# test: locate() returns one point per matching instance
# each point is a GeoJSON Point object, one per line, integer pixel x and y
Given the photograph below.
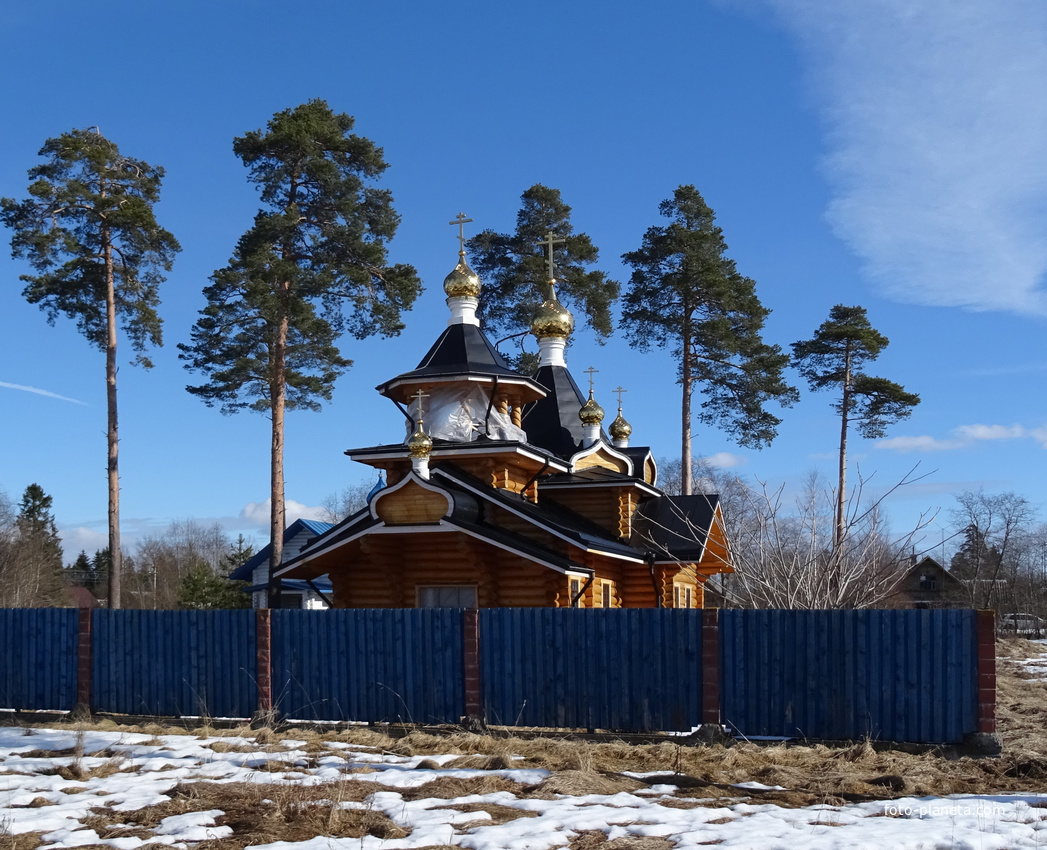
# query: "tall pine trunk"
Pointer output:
{"type": "Point", "coordinates": [841, 500]}
{"type": "Point", "coordinates": [277, 395]}
{"type": "Point", "coordinates": [687, 379]}
{"type": "Point", "coordinates": [112, 436]}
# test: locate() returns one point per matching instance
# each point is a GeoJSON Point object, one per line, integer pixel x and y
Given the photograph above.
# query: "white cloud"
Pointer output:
{"type": "Point", "coordinates": [964, 436]}
{"type": "Point", "coordinates": [46, 393]}
{"type": "Point", "coordinates": [87, 539]}
{"type": "Point", "coordinates": [258, 512]}
{"type": "Point", "coordinates": [937, 143]}
{"type": "Point", "coordinates": [725, 460]}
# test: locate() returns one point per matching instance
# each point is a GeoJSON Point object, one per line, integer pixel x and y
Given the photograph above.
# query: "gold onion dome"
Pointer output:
{"type": "Point", "coordinates": [420, 443]}
{"type": "Point", "coordinates": [463, 281]}
{"type": "Point", "coordinates": [591, 412]}
{"type": "Point", "coordinates": [620, 429]}
{"type": "Point", "coordinates": [552, 319]}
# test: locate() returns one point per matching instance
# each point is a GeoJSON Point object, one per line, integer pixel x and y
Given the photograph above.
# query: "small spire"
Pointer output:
{"type": "Point", "coordinates": [620, 430]}
{"type": "Point", "coordinates": [591, 413]}
{"type": "Point", "coordinates": [420, 444]}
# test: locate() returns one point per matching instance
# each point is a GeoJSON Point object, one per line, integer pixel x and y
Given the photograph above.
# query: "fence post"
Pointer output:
{"type": "Point", "coordinates": [471, 667]}
{"type": "Point", "coordinates": [711, 666]}
{"type": "Point", "coordinates": [986, 632]}
{"type": "Point", "coordinates": [83, 662]}
{"type": "Point", "coordinates": [264, 663]}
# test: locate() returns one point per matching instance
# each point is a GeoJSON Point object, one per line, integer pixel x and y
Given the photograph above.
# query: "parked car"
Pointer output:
{"type": "Point", "coordinates": [1024, 625]}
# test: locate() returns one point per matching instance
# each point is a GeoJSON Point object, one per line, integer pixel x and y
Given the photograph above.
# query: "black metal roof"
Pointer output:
{"type": "Point", "coordinates": [675, 527]}
{"type": "Point", "coordinates": [552, 422]}
{"type": "Point", "coordinates": [462, 349]}
{"type": "Point", "coordinates": [554, 517]}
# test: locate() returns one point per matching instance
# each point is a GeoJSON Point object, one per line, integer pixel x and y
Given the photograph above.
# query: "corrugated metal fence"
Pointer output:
{"type": "Point", "coordinates": [174, 663]}
{"type": "Point", "coordinates": [917, 676]}
{"type": "Point", "coordinates": [638, 669]}
{"type": "Point", "coordinates": [891, 675]}
{"type": "Point", "coordinates": [402, 665]}
{"type": "Point", "coordinates": [38, 659]}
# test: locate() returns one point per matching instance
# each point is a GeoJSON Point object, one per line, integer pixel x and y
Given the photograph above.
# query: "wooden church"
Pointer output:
{"type": "Point", "coordinates": [506, 491]}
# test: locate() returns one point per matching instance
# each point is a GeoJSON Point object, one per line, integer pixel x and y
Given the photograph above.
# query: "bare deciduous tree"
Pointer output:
{"type": "Point", "coordinates": [783, 549]}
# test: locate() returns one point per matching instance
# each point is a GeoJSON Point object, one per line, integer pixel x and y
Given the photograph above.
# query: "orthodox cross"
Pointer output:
{"type": "Point", "coordinates": [620, 390]}
{"type": "Point", "coordinates": [461, 222]}
{"type": "Point", "coordinates": [548, 242]}
{"type": "Point", "coordinates": [420, 395]}
{"type": "Point", "coordinates": [590, 372]}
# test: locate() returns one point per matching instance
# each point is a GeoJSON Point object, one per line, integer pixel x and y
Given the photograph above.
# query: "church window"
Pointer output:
{"type": "Point", "coordinates": [447, 596]}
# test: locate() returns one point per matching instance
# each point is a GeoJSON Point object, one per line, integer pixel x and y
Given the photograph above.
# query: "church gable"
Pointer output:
{"type": "Point", "coordinates": [411, 501]}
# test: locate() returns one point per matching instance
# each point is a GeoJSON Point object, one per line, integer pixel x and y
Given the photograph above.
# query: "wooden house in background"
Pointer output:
{"type": "Point", "coordinates": [927, 584]}
{"type": "Point", "coordinates": [505, 491]}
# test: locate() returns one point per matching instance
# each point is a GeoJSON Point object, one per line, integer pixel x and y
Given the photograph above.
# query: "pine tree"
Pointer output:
{"type": "Point", "coordinates": [833, 359]}
{"type": "Point", "coordinates": [203, 589]}
{"type": "Point", "coordinates": [513, 269]}
{"type": "Point", "coordinates": [34, 577]}
{"type": "Point", "coordinates": [267, 338]}
{"type": "Point", "coordinates": [687, 295]}
{"type": "Point", "coordinates": [88, 228]}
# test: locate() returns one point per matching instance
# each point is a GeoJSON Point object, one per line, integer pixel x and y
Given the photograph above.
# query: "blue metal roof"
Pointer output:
{"type": "Point", "coordinates": [245, 572]}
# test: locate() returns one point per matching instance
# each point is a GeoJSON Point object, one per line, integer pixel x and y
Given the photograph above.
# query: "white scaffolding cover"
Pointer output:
{"type": "Point", "coordinates": [459, 413]}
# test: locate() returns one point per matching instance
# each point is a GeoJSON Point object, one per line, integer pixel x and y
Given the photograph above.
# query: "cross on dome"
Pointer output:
{"type": "Point", "coordinates": [548, 242]}
{"type": "Point", "coordinates": [590, 372]}
{"type": "Point", "coordinates": [419, 396]}
{"type": "Point", "coordinates": [461, 221]}
{"type": "Point", "coordinates": [619, 391]}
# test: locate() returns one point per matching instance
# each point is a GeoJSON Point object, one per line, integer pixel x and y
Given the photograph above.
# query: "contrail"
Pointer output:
{"type": "Point", "coordinates": [41, 392]}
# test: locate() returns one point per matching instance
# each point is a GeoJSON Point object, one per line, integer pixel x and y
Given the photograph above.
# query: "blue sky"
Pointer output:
{"type": "Point", "coordinates": [873, 153]}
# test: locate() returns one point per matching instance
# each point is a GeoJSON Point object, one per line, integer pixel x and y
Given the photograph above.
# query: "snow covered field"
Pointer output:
{"type": "Point", "coordinates": [123, 790]}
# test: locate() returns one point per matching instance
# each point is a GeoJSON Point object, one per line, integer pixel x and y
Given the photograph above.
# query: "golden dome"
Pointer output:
{"type": "Point", "coordinates": [463, 281]}
{"type": "Point", "coordinates": [552, 319]}
{"type": "Point", "coordinates": [620, 429]}
{"type": "Point", "coordinates": [420, 443]}
{"type": "Point", "coordinates": [591, 413]}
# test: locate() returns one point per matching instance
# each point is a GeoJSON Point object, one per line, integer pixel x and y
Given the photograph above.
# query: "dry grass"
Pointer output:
{"type": "Point", "coordinates": [259, 814]}
{"type": "Point", "coordinates": [591, 839]}
{"type": "Point", "coordinates": [703, 776]}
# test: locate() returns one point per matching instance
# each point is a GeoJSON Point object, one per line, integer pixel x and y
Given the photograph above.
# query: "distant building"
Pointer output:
{"type": "Point", "coordinates": [927, 584]}
{"type": "Point", "coordinates": [294, 593]}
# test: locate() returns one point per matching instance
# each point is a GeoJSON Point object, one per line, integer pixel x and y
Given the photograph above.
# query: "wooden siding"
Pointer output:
{"type": "Point", "coordinates": [411, 504]}
{"type": "Point", "coordinates": [385, 571]}
{"type": "Point", "coordinates": [603, 459]}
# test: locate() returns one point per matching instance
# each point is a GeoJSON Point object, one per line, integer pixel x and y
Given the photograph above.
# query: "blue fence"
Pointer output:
{"type": "Point", "coordinates": [401, 665]}
{"type": "Point", "coordinates": [891, 675]}
{"type": "Point", "coordinates": [174, 663]}
{"type": "Point", "coordinates": [38, 660]}
{"type": "Point", "coordinates": [630, 669]}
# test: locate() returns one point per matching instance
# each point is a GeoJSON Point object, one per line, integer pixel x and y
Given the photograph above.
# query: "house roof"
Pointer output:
{"type": "Point", "coordinates": [675, 526]}
{"type": "Point", "coordinates": [245, 572]}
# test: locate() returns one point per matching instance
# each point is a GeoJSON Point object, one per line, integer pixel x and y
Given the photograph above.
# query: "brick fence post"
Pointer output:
{"type": "Point", "coordinates": [264, 661]}
{"type": "Point", "coordinates": [986, 639]}
{"type": "Point", "coordinates": [83, 662]}
{"type": "Point", "coordinates": [471, 667]}
{"type": "Point", "coordinates": [711, 666]}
